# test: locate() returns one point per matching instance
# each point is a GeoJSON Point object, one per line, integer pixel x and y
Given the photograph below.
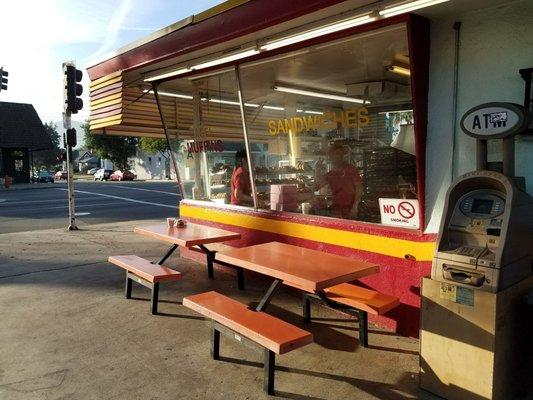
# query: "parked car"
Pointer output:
{"type": "Point", "coordinates": [102, 174]}
{"type": "Point", "coordinates": [42, 177]}
{"type": "Point", "coordinates": [92, 171]}
{"type": "Point", "coordinates": [60, 175]}
{"type": "Point", "coordinates": [122, 176]}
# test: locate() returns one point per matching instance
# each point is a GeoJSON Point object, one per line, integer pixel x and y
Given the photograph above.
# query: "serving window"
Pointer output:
{"type": "Point", "coordinates": [330, 129]}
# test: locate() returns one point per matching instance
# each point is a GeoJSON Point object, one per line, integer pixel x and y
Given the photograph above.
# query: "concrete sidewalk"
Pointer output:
{"type": "Point", "coordinates": [67, 331]}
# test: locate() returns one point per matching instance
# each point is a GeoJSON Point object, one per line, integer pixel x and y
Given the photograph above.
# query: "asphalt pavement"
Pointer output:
{"type": "Point", "coordinates": [45, 206]}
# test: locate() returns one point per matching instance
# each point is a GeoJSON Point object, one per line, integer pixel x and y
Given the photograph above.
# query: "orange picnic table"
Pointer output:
{"type": "Point", "coordinates": [191, 236]}
{"type": "Point", "coordinates": [305, 269]}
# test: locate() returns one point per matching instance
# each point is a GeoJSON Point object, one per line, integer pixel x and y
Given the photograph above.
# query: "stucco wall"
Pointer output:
{"type": "Point", "coordinates": [495, 43]}
{"type": "Point", "coordinates": [148, 166]}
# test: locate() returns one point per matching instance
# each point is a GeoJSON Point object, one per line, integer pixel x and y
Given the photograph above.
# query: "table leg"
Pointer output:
{"type": "Point", "coordinates": [210, 259]}
{"type": "Point", "coordinates": [168, 254]}
{"type": "Point", "coordinates": [265, 300]}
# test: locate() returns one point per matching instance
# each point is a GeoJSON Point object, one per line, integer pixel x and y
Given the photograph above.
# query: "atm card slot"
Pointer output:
{"type": "Point", "coordinates": [459, 275]}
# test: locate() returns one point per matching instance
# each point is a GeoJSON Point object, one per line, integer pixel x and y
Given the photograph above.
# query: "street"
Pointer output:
{"type": "Point", "coordinates": [46, 206]}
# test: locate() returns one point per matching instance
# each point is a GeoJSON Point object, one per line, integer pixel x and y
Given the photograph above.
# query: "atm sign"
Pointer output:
{"type": "Point", "coordinates": [495, 120]}
{"type": "Point", "coordinates": [399, 212]}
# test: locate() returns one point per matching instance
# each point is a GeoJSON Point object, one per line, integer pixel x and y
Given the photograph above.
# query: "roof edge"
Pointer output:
{"type": "Point", "coordinates": [193, 19]}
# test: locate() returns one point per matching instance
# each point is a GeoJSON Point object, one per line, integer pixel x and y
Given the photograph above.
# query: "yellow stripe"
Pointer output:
{"type": "Point", "coordinates": [104, 84]}
{"type": "Point", "coordinates": [104, 124]}
{"type": "Point", "coordinates": [104, 79]}
{"type": "Point", "coordinates": [104, 99]}
{"type": "Point", "coordinates": [211, 12]}
{"type": "Point", "coordinates": [105, 104]}
{"type": "Point", "coordinates": [422, 251]}
{"type": "Point", "coordinates": [106, 119]}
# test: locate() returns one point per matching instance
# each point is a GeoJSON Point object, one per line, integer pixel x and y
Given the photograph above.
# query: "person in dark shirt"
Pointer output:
{"type": "Point", "coordinates": [344, 181]}
{"type": "Point", "coordinates": [241, 189]}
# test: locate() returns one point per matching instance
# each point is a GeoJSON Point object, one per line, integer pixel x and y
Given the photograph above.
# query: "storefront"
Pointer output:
{"type": "Point", "coordinates": [322, 107]}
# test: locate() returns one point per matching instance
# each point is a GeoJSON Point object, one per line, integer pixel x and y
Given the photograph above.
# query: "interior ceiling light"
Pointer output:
{"type": "Point", "coordinates": [410, 6]}
{"type": "Point", "coordinates": [320, 31]}
{"type": "Point", "coordinates": [168, 74]}
{"type": "Point", "coordinates": [310, 112]}
{"type": "Point", "coordinates": [277, 108]}
{"type": "Point", "coordinates": [319, 94]}
{"type": "Point", "coordinates": [226, 59]}
{"type": "Point", "coordinates": [233, 103]}
{"type": "Point", "coordinates": [399, 70]}
{"type": "Point", "coordinates": [171, 94]}
{"type": "Point", "coordinates": [207, 64]}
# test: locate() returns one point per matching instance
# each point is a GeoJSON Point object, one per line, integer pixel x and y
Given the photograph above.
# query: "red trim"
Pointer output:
{"type": "Point", "coordinates": [247, 18]}
{"type": "Point", "coordinates": [418, 36]}
{"type": "Point", "coordinates": [326, 222]}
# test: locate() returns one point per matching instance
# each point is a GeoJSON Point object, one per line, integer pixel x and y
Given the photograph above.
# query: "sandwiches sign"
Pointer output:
{"type": "Point", "coordinates": [495, 120]}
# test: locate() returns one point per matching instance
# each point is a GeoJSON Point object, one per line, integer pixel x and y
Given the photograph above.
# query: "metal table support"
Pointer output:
{"type": "Point", "coordinates": [211, 259]}
{"type": "Point", "coordinates": [154, 287]}
{"type": "Point", "coordinates": [362, 316]}
{"type": "Point", "coordinates": [265, 300]}
{"type": "Point", "coordinates": [168, 254]}
{"type": "Point", "coordinates": [269, 357]}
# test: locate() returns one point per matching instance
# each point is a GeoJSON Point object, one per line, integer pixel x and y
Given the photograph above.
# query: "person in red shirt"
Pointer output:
{"type": "Point", "coordinates": [343, 180]}
{"type": "Point", "coordinates": [241, 189]}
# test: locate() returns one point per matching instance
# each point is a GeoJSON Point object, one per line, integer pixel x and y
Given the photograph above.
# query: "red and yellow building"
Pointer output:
{"type": "Point", "coordinates": [245, 72]}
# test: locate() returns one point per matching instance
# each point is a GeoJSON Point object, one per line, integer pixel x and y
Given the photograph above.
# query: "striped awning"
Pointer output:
{"type": "Point", "coordinates": [117, 109]}
{"type": "Point", "coordinates": [127, 111]}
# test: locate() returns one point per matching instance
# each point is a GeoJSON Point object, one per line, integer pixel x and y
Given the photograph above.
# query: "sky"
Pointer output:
{"type": "Point", "coordinates": [37, 36]}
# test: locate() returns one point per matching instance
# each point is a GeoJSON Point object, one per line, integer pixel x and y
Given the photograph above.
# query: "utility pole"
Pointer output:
{"type": "Point", "coordinates": [72, 104]}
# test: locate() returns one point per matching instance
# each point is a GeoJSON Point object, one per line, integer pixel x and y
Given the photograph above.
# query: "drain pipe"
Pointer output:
{"type": "Point", "coordinates": [457, 29]}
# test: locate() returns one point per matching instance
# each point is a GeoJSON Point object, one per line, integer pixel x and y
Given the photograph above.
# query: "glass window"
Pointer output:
{"type": "Point", "coordinates": [335, 126]}
{"type": "Point", "coordinates": [207, 138]}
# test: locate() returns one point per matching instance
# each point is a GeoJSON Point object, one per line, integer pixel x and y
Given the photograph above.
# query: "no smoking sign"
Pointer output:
{"type": "Point", "coordinates": [399, 212]}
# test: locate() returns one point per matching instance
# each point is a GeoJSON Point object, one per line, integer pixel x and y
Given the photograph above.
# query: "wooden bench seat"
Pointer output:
{"type": "Point", "coordinates": [351, 297]}
{"type": "Point", "coordinates": [215, 248]}
{"type": "Point", "coordinates": [270, 333]}
{"type": "Point", "coordinates": [147, 274]}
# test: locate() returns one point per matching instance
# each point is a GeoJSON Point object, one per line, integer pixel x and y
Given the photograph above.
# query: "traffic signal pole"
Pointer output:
{"type": "Point", "coordinates": [70, 185]}
{"type": "Point", "coordinates": [71, 104]}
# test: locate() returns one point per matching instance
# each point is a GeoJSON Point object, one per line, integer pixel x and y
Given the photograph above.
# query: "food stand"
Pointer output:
{"type": "Point", "coordinates": [287, 87]}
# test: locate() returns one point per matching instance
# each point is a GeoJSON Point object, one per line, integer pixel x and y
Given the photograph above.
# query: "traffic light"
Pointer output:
{"type": "Point", "coordinates": [71, 137]}
{"type": "Point", "coordinates": [71, 77]}
{"type": "Point", "coordinates": [3, 79]}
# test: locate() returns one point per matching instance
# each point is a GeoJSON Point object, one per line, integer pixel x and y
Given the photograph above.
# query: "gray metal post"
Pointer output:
{"type": "Point", "coordinates": [246, 142]}
{"type": "Point", "coordinates": [508, 156]}
{"type": "Point", "coordinates": [174, 163]}
{"type": "Point", "coordinates": [481, 154]}
{"type": "Point", "coordinates": [70, 186]}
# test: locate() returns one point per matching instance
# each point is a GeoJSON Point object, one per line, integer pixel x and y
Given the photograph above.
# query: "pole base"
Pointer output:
{"type": "Point", "coordinates": [72, 228]}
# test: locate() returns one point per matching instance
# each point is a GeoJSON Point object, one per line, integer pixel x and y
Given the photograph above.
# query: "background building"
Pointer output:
{"type": "Point", "coordinates": [21, 134]}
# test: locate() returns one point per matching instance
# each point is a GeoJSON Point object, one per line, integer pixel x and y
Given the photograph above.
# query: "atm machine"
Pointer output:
{"type": "Point", "coordinates": [476, 331]}
{"type": "Point", "coordinates": [485, 239]}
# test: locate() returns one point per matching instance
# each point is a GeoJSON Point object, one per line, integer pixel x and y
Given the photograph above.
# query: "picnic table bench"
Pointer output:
{"type": "Point", "coordinates": [348, 297]}
{"type": "Point", "coordinates": [146, 273]}
{"type": "Point", "coordinates": [262, 330]}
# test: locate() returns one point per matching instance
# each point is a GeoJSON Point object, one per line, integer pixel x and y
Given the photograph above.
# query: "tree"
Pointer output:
{"type": "Point", "coordinates": [117, 149]}
{"type": "Point", "coordinates": [151, 145]}
{"type": "Point", "coordinates": [48, 158]}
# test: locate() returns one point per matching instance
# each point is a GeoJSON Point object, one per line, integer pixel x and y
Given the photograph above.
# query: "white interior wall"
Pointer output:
{"type": "Point", "coordinates": [495, 43]}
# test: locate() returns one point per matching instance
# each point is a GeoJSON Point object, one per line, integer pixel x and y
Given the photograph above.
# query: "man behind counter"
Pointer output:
{"type": "Point", "coordinates": [343, 180]}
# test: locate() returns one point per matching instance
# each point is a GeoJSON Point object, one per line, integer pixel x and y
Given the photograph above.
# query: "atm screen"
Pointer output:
{"type": "Point", "coordinates": [481, 206]}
